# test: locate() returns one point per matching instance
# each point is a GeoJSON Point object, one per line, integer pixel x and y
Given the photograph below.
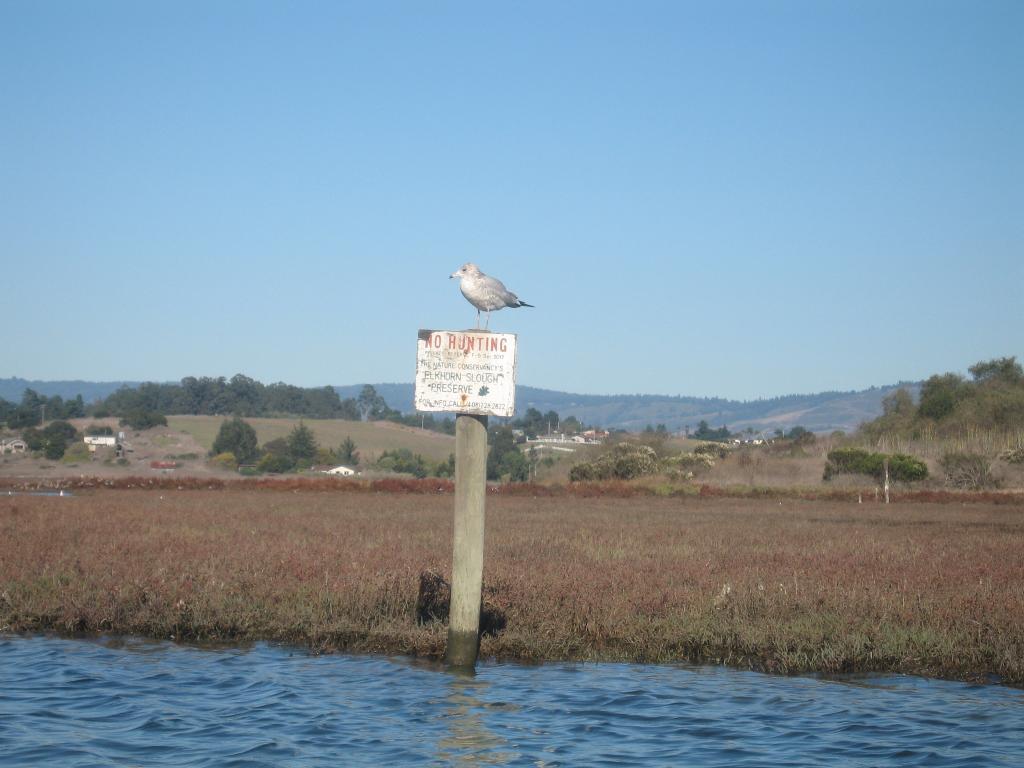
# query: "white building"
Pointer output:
{"type": "Point", "coordinates": [95, 441]}
{"type": "Point", "coordinates": [339, 470]}
{"type": "Point", "coordinates": [13, 445]}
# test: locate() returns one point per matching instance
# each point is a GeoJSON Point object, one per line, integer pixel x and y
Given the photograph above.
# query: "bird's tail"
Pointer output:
{"type": "Point", "coordinates": [522, 304]}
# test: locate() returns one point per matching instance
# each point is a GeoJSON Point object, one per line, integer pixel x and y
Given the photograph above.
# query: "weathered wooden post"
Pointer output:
{"type": "Point", "coordinates": [468, 547]}
{"type": "Point", "coordinates": [473, 374]}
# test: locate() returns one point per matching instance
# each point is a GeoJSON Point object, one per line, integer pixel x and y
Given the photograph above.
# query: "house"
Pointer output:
{"type": "Point", "coordinates": [95, 441]}
{"type": "Point", "coordinates": [13, 445]}
{"type": "Point", "coordinates": [339, 470]}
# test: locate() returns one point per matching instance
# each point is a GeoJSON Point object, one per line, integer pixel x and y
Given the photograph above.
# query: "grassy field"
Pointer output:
{"type": "Point", "coordinates": [774, 584]}
{"type": "Point", "coordinates": [371, 438]}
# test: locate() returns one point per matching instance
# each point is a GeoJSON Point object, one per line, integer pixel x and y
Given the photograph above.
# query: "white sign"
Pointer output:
{"type": "Point", "coordinates": [466, 372]}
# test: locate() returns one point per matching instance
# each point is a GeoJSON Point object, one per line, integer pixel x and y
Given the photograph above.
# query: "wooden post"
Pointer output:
{"type": "Point", "coordinates": [886, 465]}
{"type": "Point", "coordinates": [468, 555]}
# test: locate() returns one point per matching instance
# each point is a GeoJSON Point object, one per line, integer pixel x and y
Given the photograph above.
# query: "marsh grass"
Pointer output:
{"type": "Point", "coordinates": [783, 585]}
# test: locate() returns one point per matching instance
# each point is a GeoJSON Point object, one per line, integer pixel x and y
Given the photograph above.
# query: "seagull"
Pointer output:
{"type": "Point", "coordinates": [485, 293]}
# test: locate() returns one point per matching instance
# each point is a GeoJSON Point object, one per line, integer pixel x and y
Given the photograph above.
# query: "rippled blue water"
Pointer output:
{"type": "Point", "coordinates": [138, 703]}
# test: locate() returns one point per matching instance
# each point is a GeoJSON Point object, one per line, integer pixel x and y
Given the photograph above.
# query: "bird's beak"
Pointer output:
{"type": "Point", "coordinates": [453, 274]}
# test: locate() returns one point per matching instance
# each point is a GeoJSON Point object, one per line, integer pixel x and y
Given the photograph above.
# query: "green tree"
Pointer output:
{"type": "Point", "coordinates": [898, 405]}
{"type": "Point", "coordinates": [347, 453]}
{"type": "Point", "coordinates": [403, 460]}
{"type": "Point", "coordinates": [371, 405]}
{"type": "Point", "coordinates": [704, 432]}
{"type": "Point", "coordinates": [515, 466]}
{"type": "Point", "coordinates": [277, 447]}
{"type": "Point", "coordinates": [1003, 369]}
{"type": "Point", "coordinates": [349, 409]}
{"type": "Point", "coordinates": [239, 438]}
{"type": "Point", "coordinates": [52, 441]}
{"type": "Point", "coordinates": [74, 409]}
{"type": "Point", "coordinates": [244, 397]}
{"type": "Point", "coordinates": [940, 395]}
{"type": "Point", "coordinates": [532, 423]}
{"type": "Point", "coordinates": [29, 413]}
{"type": "Point", "coordinates": [504, 458]}
{"type": "Point", "coordinates": [302, 443]}
{"type": "Point", "coordinates": [275, 463]}
{"type": "Point", "coordinates": [446, 468]}
{"type": "Point", "coordinates": [6, 410]}
{"type": "Point", "coordinates": [799, 434]}
{"type": "Point", "coordinates": [551, 421]}
{"type": "Point", "coordinates": [142, 420]}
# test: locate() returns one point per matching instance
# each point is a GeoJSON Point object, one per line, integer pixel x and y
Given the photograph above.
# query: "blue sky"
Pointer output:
{"type": "Point", "coordinates": [737, 199]}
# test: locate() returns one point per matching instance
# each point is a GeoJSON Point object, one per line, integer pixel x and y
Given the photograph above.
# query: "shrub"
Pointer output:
{"type": "Point", "coordinates": [686, 465]}
{"type": "Point", "coordinates": [857, 461]}
{"type": "Point", "coordinates": [906, 468]}
{"type": "Point", "coordinates": [1013, 455]}
{"type": "Point", "coordinates": [142, 420]}
{"type": "Point", "coordinates": [623, 462]}
{"type": "Point", "coordinates": [96, 430]}
{"type": "Point", "coordinates": [970, 471]}
{"type": "Point", "coordinates": [76, 452]}
{"type": "Point", "coordinates": [34, 439]}
{"type": "Point", "coordinates": [225, 460]}
{"type": "Point", "coordinates": [271, 462]}
{"type": "Point", "coordinates": [54, 449]}
{"type": "Point", "coordinates": [52, 441]}
{"type": "Point", "coordinates": [405, 461]}
{"type": "Point", "coordinates": [60, 430]}
{"type": "Point", "coordinates": [721, 450]}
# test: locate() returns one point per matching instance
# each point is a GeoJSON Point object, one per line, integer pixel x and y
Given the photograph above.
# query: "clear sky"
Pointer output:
{"type": "Point", "coordinates": [736, 199]}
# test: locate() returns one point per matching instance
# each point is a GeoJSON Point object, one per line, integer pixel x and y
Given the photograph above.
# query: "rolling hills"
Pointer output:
{"type": "Point", "coordinates": [821, 412]}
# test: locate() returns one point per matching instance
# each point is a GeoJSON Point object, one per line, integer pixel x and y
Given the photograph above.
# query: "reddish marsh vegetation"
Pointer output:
{"type": "Point", "coordinates": [784, 585]}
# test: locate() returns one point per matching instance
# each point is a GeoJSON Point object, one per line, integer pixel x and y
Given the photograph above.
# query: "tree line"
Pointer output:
{"type": "Point", "coordinates": [949, 403]}
{"type": "Point", "coordinates": [34, 407]}
{"type": "Point", "coordinates": [240, 395]}
{"type": "Point", "coordinates": [237, 396]}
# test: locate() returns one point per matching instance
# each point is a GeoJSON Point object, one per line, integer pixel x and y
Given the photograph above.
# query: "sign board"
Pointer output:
{"type": "Point", "coordinates": [466, 372]}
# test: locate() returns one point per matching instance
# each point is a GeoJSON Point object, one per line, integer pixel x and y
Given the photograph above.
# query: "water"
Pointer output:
{"type": "Point", "coordinates": [137, 703]}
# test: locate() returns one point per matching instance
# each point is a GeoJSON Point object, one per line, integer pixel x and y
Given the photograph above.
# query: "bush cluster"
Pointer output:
{"type": "Point", "coordinates": [1013, 455]}
{"type": "Point", "coordinates": [623, 462]}
{"type": "Point", "coordinates": [970, 471]}
{"type": "Point", "coordinates": [225, 460]}
{"type": "Point", "coordinates": [404, 461]}
{"type": "Point", "coordinates": [856, 461]}
{"type": "Point", "coordinates": [142, 420]}
{"type": "Point", "coordinates": [721, 450]}
{"type": "Point", "coordinates": [686, 465]}
{"type": "Point", "coordinates": [52, 441]}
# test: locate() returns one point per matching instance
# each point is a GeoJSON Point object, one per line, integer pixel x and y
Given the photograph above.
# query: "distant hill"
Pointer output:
{"type": "Point", "coordinates": [823, 412]}
{"type": "Point", "coordinates": [13, 388]}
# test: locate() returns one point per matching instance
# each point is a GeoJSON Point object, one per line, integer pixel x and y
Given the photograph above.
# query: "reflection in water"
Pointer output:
{"type": "Point", "coordinates": [468, 740]}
